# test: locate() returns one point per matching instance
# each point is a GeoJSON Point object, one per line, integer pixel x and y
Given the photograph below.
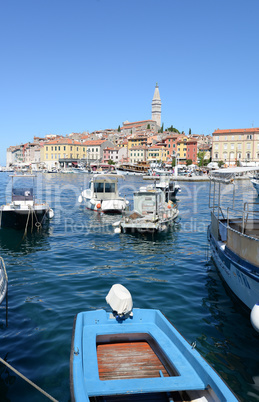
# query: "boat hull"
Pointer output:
{"type": "Point", "coordinates": [240, 276]}
{"type": "Point", "coordinates": [255, 183]}
{"type": "Point", "coordinates": [143, 354]}
{"type": "Point", "coordinates": [20, 219]}
{"type": "Point", "coordinates": [106, 206]}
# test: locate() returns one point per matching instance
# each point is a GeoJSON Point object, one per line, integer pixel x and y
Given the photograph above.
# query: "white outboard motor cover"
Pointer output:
{"type": "Point", "coordinates": [120, 300]}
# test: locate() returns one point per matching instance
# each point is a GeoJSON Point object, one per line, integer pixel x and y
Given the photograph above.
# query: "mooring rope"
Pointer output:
{"type": "Point", "coordinates": [27, 380]}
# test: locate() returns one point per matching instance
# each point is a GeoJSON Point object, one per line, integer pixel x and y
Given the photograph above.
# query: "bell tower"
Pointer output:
{"type": "Point", "coordinates": [156, 107]}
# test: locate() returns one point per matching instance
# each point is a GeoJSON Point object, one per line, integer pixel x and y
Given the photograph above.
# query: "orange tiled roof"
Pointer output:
{"type": "Point", "coordinates": [65, 141]}
{"type": "Point", "coordinates": [94, 142]}
{"type": "Point", "coordinates": [237, 130]}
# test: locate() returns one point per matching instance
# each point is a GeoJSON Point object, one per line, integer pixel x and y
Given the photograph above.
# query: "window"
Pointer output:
{"type": "Point", "coordinates": [233, 138]}
{"type": "Point", "coordinates": [225, 146]}
{"type": "Point", "coordinates": [216, 146]}
{"type": "Point", "coordinates": [51, 156]}
{"type": "Point", "coordinates": [99, 187]}
{"type": "Point", "coordinates": [59, 148]}
{"type": "Point", "coordinates": [225, 155]}
{"type": "Point", "coordinates": [55, 148]}
{"type": "Point", "coordinates": [239, 155]}
{"type": "Point", "coordinates": [240, 137]}
{"type": "Point", "coordinates": [47, 148]}
{"type": "Point", "coordinates": [51, 148]}
{"type": "Point", "coordinates": [71, 148]}
{"type": "Point", "coordinates": [226, 138]}
{"type": "Point", "coordinates": [216, 137]}
{"type": "Point", "coordinates": [96, 149]}
{"type": "Point", "coordinates": [64, 147]}
{"type": "Point", "coordinates": [232, 155]}
{"type": "Point", "coordinates": [249, 137]}
{"type": "Point", "coordinates": [232, 146]}
{"type": "Point", "coordinates": [248, 155]}
{"type": "Point", "coordinates": [239, 146]}
{"type": "Point", "coordinates": [248, 145]}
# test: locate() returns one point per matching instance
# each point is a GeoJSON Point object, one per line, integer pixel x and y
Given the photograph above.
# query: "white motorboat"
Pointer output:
{"type": "Point", "coordinates": [169, 187]}
{"type": "Point", "coordinates": [151, 212]}
{"type": "Point", "coordinates": [103, 195]}
{"type": "Point", "coordinates": [255, 182]}
{"type": "Point", "coordinates": [234, 242]}
{"type": "Point", "coordinates": [23, 211]}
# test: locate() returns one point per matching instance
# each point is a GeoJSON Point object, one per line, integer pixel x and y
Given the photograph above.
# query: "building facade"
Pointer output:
{"type": "Point", "coordinates": [236, 145]}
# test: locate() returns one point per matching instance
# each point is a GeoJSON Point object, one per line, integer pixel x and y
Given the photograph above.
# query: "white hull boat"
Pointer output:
{"type": "Point", "coordinates": [23, 211]}
{"type": "Point", "coordinates": [234, 241]}
{"type": "Point", "coordinates": [103, 195]}
{"type": "Point", "coordinates": [151, 213]}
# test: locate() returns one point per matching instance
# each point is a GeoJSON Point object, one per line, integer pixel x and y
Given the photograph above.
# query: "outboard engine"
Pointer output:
{"type": "Point", "coordinates": [120, 300]}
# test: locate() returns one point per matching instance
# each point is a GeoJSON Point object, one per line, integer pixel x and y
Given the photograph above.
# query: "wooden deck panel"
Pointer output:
{"type": "Point", "coordinates": [127, 360]}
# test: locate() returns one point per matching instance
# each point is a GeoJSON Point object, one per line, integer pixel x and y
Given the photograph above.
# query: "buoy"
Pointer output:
{"type": "Point", "coordinates": [80, 199]}
{"type": "Point", "coordinates": [98, 206]}
{"type": "Point", "coordinates": [117, 230]}
{"type": "Point", "coordinates": [254, 317]}
{"type": "Point", "coordinates": [169, 206]}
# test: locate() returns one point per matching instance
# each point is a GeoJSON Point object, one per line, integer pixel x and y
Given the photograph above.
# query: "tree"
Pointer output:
{"type": "Point", "coordinates": [148, 127]}
{"type": "Point", "coordinates": [188, 162]}
{"type": "Point", "coordinates": [119, 129]}
{"type": "Point", "coordinates": [172, 129]}
{"type": "Point", "coordinates": [220, 163]}
{"type": "Point", "coordinates": [110, 162]}
{"type": "Point", "coordinates": [173, 162]}
{"type": "Point", "coordinates": [190, 131]}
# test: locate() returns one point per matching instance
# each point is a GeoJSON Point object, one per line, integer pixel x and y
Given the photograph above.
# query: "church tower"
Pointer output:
{"type": "Point", "coordinates": [156, 107]}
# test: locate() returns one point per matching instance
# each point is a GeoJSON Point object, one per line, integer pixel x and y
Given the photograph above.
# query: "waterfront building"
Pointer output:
{"type": "Point", "coordinates": [139, 140]}
{"type": "Point", "coordinates": [236, 145]}
{"type": "Point", "coordinates": [115, 154]}
{"type": "Point", "coordinates": [171, 145]}
{"type": "Point", "coordinates": [138, 154]}
{"type": "Point", "coordinates": [191, 151]}
{"type": "Point", "coordinates": [14, 155]}
{"type": "Point", "coordinates": [157, 153]}
{"type": "Point", "coordinates": [94, 149]}
{"type": "Point", "coordinates": [156, 107]}
{"type": "Point", "coordinates": [62, 152]}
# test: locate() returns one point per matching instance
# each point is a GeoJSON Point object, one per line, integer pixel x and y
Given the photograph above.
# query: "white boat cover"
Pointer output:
{"type": "Point", "coordinates": [120, 300]}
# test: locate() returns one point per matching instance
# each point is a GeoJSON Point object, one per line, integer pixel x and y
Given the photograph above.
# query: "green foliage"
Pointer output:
{"type": "Point", "coordinates": [188, 162]}
{"type": "Point", "coordinates": [220, 163]}
{"type": "Point", "coordinates": [174, 162]}
{"type": "Point", "coordinates": [190, 131]}
{"type": "Point", "coordinates": [119, 129]}
{"type": "Point", "coordinates": [172, 129]}
{"type": "Point", "coordinates": [148, 127]}
{"type": "Point", "coordinates": [110, 162]}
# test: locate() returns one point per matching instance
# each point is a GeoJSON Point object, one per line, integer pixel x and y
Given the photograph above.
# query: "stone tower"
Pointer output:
{"type": "Point", "coordinates": [156, 107]}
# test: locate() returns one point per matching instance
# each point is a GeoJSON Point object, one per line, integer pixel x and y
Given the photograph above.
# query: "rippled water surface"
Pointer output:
{"type": "Point", "coordinates": [70, 266]}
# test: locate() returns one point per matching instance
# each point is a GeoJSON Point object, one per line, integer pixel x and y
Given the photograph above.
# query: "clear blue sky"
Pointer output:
{"type": "Point", "coordinates": [82, 65]}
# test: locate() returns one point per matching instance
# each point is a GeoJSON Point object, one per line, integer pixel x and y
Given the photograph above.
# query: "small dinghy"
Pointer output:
{"type": "Point", "coordinates": [137, 354]}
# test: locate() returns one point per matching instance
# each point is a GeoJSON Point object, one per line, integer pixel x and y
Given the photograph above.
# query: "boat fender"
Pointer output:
{"type": "Point", "coordinates": [117, 230]}
{"type": "Point", "coordinates": [254, 317]}
{"type": "Point", "coordinates": [80, 198]}
{"type": "Point", "coordinates": [51, 213]}
{"type": "Point", "coordinates": [169, 206]}
{"type": "Point", "coordinates": [98, 206]}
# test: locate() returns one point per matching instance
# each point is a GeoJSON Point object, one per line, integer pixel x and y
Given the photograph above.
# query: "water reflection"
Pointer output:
{"type": "Point", "coordinates": [13, 241]}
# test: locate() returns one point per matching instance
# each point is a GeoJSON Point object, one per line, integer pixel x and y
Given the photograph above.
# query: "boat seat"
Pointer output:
{"type": "Point", "coordinates": [186, 380]}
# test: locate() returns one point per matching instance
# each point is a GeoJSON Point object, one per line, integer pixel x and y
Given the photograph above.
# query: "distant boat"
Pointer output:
{"type": "Point", "coordinates": [255, 182]}
{"type": "Point", "coordinates": [137, 354]}
{"type": "Point", "coordinates": [234, 241]}
{"type": "Point", "coordinates": [133, 168]}
{"type": "Point", "coordinates": [23, 212]}
{"type": "Point", "coordinates": [103, 195]}
{"type": "Point", "coordinates": [151, 213]}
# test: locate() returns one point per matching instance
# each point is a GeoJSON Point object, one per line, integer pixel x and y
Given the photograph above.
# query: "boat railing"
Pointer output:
{"type": "Point", "coordinates": [243, 220]}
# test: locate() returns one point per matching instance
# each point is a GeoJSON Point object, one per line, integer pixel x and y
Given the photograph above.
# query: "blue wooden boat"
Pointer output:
{"type": "Point", "coordinates": [137, 354]}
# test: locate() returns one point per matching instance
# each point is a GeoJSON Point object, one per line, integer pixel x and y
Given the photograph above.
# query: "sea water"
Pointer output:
{"type": "Point", "coordinates": [70, 265]}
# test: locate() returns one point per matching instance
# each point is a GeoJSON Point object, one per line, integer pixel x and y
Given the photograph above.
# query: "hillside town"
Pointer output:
{"type": "Point", "coordinates": [137, 142]}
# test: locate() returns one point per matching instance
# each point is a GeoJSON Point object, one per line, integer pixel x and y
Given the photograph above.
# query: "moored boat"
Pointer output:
{"type": "Point", "coordinates": [137, 354]}
{"type": "Point", "coordinates": [151, 212]}
{"type": "Point", "coordinates": [23, 211]}
{"type": "Point", "coordinates": [234, 242]}
{"type": "Point", "coordinates": [255, 182]}
{"type": "Point", "coordinates": [103, 195]}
